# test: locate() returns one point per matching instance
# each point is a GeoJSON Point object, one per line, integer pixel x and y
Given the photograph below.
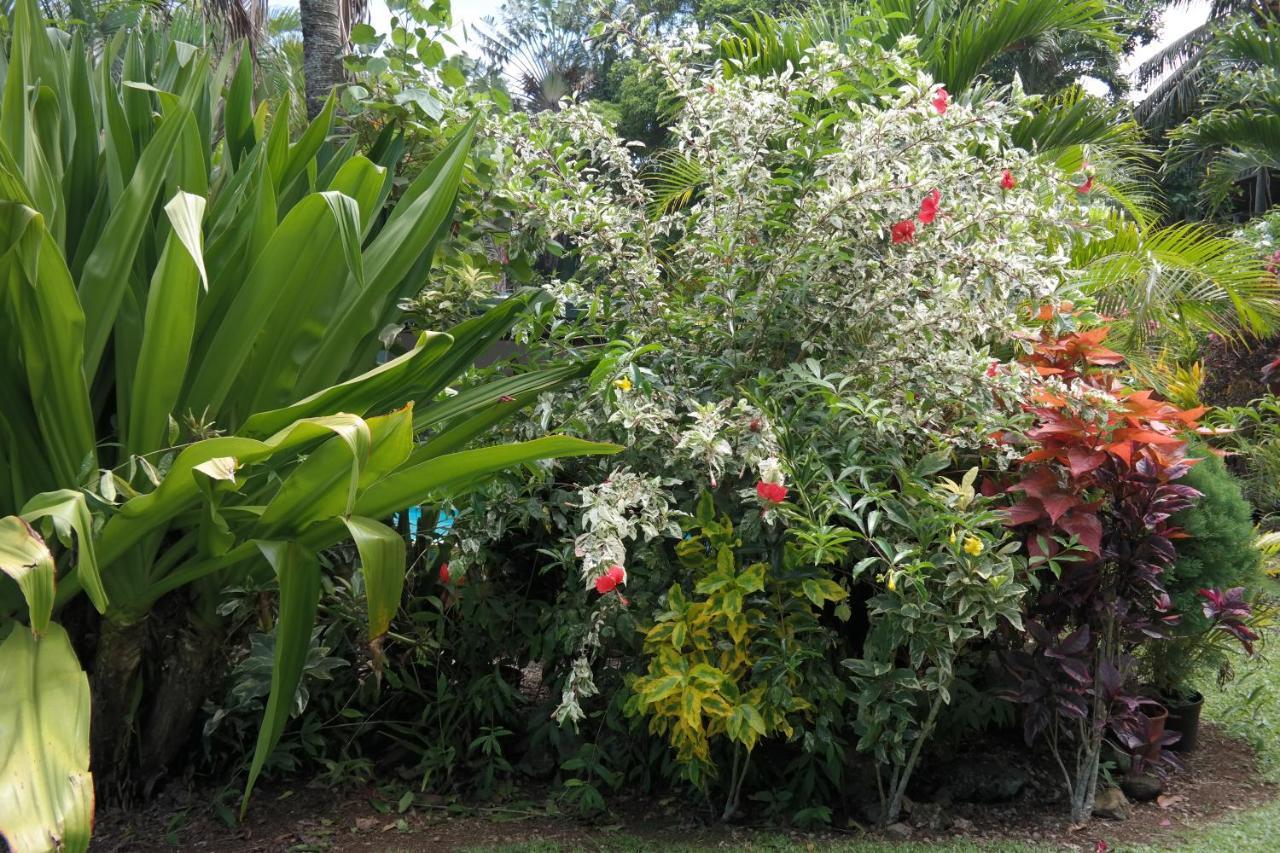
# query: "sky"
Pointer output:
{"type": "Point", "coordinates": [1178, 21]}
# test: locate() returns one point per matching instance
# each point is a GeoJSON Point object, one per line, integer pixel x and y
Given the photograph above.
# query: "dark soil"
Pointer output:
{"type": "Point", "coordinates": [1233, 372]}
{"type": "Point", "coordinates": [1219, 778]}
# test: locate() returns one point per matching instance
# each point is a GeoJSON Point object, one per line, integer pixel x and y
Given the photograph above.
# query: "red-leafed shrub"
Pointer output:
{"type": "Point", "coordinates": [1099, 485]}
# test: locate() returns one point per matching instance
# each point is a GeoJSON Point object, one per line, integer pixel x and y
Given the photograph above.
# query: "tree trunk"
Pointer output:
{"type": "Point", "coordinates": [116, 664]}
{"type": "Point", "coordinates": [323, 43]}
{"type": "Point", "coordinates": [191, 667]}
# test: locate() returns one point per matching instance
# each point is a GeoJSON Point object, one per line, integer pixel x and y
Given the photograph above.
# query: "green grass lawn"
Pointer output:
{"type": "Point", "coordinates": [1249, 708]}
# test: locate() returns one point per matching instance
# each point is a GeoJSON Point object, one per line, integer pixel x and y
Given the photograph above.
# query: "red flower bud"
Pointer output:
{"type": "Point", "coordinates": [1007, 180]}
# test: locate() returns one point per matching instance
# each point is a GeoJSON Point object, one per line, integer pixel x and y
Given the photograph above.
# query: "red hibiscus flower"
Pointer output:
{"type": "Point", "coordinates": [1086, 187]}
{"type": "Point", "coordinates": [444, 573]}
{"type": "Point", "coordinates": [904, 231]}
{"type": "Point", "coordinates": [929, 207]}
{"type": "Point", "coordinates": [773, 493]}
{"type": "Point", "coordinates": [609, 581]}
{"type": "Point", "coordinates": [993, 368]}
{"type": "Point", "coordinates": [1007, 180]}
{"type": "Point", "coordinates": [940, 101]}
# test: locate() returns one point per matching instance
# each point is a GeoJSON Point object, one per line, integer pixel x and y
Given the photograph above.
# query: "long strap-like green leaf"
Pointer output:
{"type": "Point", "coordinates": [388, 259]}
{"type": "Point", "coordinates": [168, 327]}
{"type": "Point", "coordinates": [106, 272]}
{"type": "Point", "coordinates": [299, 575]}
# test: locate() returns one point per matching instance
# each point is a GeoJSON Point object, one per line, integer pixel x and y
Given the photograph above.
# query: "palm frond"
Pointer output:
{"type": "Point", "coordinates": [674, 181]}
{"type": "Point", "coordinates": [968, 42]}
{"type": "Point", "coordinates": [237, 19]}
{"type": "Point", "coordinates": [1176, 53]}
{"type": "Point", "coordinates": [536, 50]}
{"type": "Point", "coordinates": [1179, 278]}
{"type": "Point", "coordinates": [282, 21]}
{"type": "Point", "coordinates": [1073, 117]}
{"type": "Point", "coordinates": [1240, 144]}
{"type": "Point", "coordinates": [1175, 98]}
{"type": "Point", "coordinates": [1248, 43]}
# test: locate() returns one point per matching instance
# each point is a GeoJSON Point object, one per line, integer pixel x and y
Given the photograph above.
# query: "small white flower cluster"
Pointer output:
{"type": "Point", "coordinates": [1263, 234]}
{"type": "Point", "coordinates": [623, 507]}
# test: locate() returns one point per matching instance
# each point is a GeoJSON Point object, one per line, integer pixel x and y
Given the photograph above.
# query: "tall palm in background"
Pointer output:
{"type": "Point", "coordinates": [1238, 138]}
{"type": "Point", "coordinates": [326, 26]}
{"type": "Point", "coordinates": [541, 49]}
{"type": "Point", "coordinates": [1186, 65]}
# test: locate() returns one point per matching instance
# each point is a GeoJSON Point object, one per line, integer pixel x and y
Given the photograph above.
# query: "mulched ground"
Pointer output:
{"type": "Point", "coordinates": [1220, 778]}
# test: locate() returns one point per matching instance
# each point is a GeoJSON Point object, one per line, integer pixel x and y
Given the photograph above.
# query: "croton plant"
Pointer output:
{"type": "Point", "coordinates": [1099, 484]}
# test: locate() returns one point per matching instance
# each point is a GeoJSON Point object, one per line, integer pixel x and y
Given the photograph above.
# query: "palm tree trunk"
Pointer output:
{"type": "Point", "coordinates": [322, 48]}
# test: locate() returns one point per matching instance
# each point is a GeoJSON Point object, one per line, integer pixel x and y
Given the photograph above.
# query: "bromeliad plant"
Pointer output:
{"type": "Point", "coordinates": [1098, 489]}
{"type": "Point", "coordinates": [192, 303]}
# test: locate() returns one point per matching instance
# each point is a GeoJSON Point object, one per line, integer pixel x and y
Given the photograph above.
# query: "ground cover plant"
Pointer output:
{"type": "Point", "coordinates": [438, 439]}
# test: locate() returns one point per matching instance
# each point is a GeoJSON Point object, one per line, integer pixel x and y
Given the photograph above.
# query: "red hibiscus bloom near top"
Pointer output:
{"type": "Point", "coordinates": [1007, 180]}
{"type": "Point", "coordinates": [929, 207]}
{"type": "Point", "coordinates": [609, 581]}
{"type": "Point", "coordinates": [941, 100]}
{"type": "Point", "coordinates": [904, 231]}
{"type": "Point", "coordinates": [773, 493]}
{"type": "Point", "coordinates": [444, 573]}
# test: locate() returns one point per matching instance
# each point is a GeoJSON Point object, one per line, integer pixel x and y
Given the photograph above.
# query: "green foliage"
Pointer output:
{"type": "Point", "coordinates": [957, 39]}
{"type": "Point", "coordinates": [737, 660]}
{"type": "Point", "coordinates": [170, 257]}
{"type": "Point", "coordinates": [1235, 134]}
{"type": "Point", "coordinates": [1219, 550]}
{"type": "Point", "coordinates": [930, 551]}
{"type": "Point", "coordinates": [1218, 553]}
{"type": "Point", "coordinates": [1251, 434]}
{"type": "Point", "coordinates": [1178, 282]}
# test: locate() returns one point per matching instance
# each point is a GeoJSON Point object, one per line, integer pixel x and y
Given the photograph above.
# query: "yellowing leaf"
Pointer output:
{"type": "Point", "coordinates": [46, 790]}
{"type": "Point", "coordinates": [25, 558]}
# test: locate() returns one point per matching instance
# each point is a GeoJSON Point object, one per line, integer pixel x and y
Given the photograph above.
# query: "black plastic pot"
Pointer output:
{"type": "Point", "coordinates": [1184, 718]}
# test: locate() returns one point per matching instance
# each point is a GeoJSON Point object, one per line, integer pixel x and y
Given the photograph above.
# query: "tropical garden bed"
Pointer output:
{"type": "Point", "coordinates": [1221, 781]}
{"type": "Point", "coordinates": [676, 423]}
